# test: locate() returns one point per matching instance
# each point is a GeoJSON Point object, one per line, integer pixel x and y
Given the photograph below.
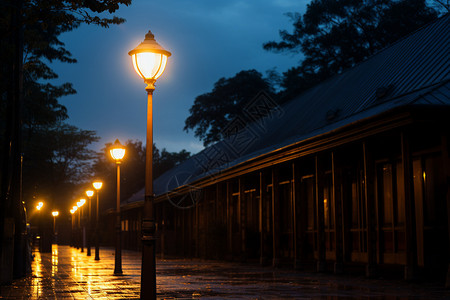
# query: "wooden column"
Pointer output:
{"type": "Point", "coordinates": [163, 230]}
{"type": "Point", "coordinates": [229, 220]}
{"type": "Point", "coordinates": [295, 198]}
{"type": "Point", "coordinates": [197, 230]}
{"type": "Point", "coordinates": [183, 233]}
{"type": "Point", "coordinates": [275, 217]}
{"type": "Point", "coordinates": [320, 223]}
{"type": "Point", "coordinates": [369, 195]}
{"type": "Point", "coordinates": [336, 177]}
{"type": "Point", "coordinates": [218, 219]}
{"type": "Point", "coordinates": [262, 196]}
{"type": "Point", "coordinates": [242, 219]}
{"type": "Point", "coordinates": [446, 166]}
{"type": "Point", "coordinates": [410, 224]}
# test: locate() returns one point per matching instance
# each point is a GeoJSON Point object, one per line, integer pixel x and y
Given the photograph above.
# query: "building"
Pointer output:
{"type": "Point", "coordinates": [353, 172]}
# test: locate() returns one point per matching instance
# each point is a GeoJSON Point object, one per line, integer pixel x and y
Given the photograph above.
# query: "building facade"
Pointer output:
{"type": "Point", "coordinates": [353, 172]}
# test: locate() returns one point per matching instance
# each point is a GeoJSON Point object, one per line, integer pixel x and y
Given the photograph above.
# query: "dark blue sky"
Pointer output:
{"type": "Point", "coordinates": [208, 40]}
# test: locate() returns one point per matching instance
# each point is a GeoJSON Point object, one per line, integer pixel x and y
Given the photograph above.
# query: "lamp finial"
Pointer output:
{"type": "Point", "coordinates": [149, 36]}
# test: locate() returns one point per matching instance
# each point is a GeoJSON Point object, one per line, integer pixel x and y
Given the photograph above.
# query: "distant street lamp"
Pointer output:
{"type": "Point", "coordinates": [149, 60]}
{"type": "Point", "coordinates": [55, 234]}
{"type": "Point", "coordinates": [97, 186]}
{"type": "Point", "coordinates": [72, 211]}
{"type": "Point", "coordinates": [89, 193]}
{"type": "Point", "coordinates": [40, 231]}
{"type": "Point", "coordinates": [117, 152]}
{"type": "Point", "coordinates": [81, 222]}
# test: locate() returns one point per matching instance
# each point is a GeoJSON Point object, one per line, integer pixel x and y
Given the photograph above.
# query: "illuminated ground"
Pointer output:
{"type": "Point", "coordinates": [66, 273]}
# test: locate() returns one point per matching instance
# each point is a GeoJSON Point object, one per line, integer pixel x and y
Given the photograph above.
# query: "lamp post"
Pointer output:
{"type": "Point", "coordinates": [80, 222]}
{"type": "Point", "coordinates": [72, 211]}
{"type": "Point", "coordinates": [117, 152]}
{"type": "Point", "coordinates": [40, 231]}
{"type": "Point", "coordinates": [149, 60]}
{"type": "Point", "coordinates": [55, 213]}
{"type": "Point", "coordinates": [89, 193]}
{"type": "Point", "coordinates": [97, 186]}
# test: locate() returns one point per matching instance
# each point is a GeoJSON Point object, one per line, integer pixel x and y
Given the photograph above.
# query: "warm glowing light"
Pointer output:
{"type": "Point", "coordinates": [39, 206]}
{"type": "Point", "coordinates": [81, 202]}
{"type": "Point", "coordinates": [117, 151]}
{"type": "Point", "coordinates": [149, 65]}
{"type": "Point", "coordinates": [89, 193]}
{"type": "Point", "coordinates": [55, 213]}
{"type": "Point", "coordinates": [149, 59]}
{"type": "Point", "coordinates": [74, 209]}
{"type": "Point", "coordinates": [97, 184]}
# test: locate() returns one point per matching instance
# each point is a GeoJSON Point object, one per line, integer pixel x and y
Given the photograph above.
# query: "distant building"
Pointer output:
{"type": "Point", "coordinates": [355, 171]}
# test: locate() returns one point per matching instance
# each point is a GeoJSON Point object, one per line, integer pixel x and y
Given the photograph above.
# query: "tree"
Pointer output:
{"type": "Point", "coordinates": [56, 159]}
{"type": "Point", "coordinates": [132, 169]}
{"type": "Point", "coordinates": [334, 35]}
{"type": "Point", "coordinates": [165, 160]}
{"type": "Point", "coordinates": [29, 35]}
{"type": "Point", "coordinates": [212, 111]}
{"type": "Point", "coordinates": [38, 28]}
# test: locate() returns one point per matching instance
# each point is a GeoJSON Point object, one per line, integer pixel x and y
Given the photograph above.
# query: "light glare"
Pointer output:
{"type": "Point", "coordinates": [97, 185]}
{"type": "Point", "coordinates": [149, 65]}
{"type": "Point", "coordinates": [117, 153]}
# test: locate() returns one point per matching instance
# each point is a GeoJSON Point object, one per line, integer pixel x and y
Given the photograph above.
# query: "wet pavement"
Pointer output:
{"type": "Point", "coordinates": [66, 273]}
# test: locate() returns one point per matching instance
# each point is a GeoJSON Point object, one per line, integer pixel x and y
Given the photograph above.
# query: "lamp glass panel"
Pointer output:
{"type": "Point", "coordinates": [149, 65]}
{"type": "Point", "coordinates": [163, 66]}
{"type": "Point", "coordinates": [117, 153]}
{"type": "Point", "coordinates": [97, 185]}
{"type": "Point", "coordinates": [133, 58]}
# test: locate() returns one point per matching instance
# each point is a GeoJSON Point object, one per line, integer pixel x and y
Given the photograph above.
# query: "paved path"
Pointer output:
{"type": "Point", "coordinates": [66, 273]}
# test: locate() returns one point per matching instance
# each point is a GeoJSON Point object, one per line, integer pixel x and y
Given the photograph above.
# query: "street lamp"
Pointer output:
{"type": "Point", "coordinates": [40, 230]}
{"type": "Point", "coordinates": [55, 213]}
{"type": "Point", "coordinates": [81, 222]}
{"type": "Point", "coordinates": [89, 193]}
{"type": "Point", "coordinates": [97, 186]}
{"type": "Point", "coordinates": [117, 152]}
{"type": "Point", "coordinates": [149, 60]}
{"type": "Point", "coordinates": [72, 211]}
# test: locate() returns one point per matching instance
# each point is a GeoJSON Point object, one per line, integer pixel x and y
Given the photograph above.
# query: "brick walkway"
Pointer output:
{"type": "Point", "coordinates": [66, 273]}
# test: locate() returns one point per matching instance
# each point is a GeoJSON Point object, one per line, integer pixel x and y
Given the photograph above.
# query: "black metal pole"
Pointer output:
{"type": "Point", "coordinates": [77, 229]}
{"type": "Point", "coordinates": [89, 229]}
{"type": "Point", "coordinates": [118, 256]}
{"type": "Point", "coordinates": [82, 229]}
{"type": "Point", "coordinates": [148, 271]}
{"type": "Point", "coordinates": [97, 247]}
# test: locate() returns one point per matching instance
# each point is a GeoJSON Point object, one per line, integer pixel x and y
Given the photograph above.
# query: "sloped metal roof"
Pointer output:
{"type": "Point", "coordinates": [412, 71]}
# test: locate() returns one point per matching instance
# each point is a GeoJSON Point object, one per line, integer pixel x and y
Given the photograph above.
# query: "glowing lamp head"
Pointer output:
{"type": "Point", "coordinates": [81, 202]}
{"type": "Point", "coordinates": [149, 60]}
{"type": "Point", "coordinates": [89, 193]}
{"type": "Point", "coordinates": [39, 206]}
{"type": "Point", "coordinates": [55, 213]}
{"type": "Point", "coordinates": [74, 209]}
{"type": "Point", "coordinates": [97, 184]}
{"type": "Point", "coordinates": [117, 151]}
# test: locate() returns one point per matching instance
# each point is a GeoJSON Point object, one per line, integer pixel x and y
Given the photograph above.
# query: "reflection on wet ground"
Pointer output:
{"type": "Point", "coordinates": [66, 273]}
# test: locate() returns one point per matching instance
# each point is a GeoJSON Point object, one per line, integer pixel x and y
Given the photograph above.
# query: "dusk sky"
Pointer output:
{"type": "Point", "coordinates": [208, 40]}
